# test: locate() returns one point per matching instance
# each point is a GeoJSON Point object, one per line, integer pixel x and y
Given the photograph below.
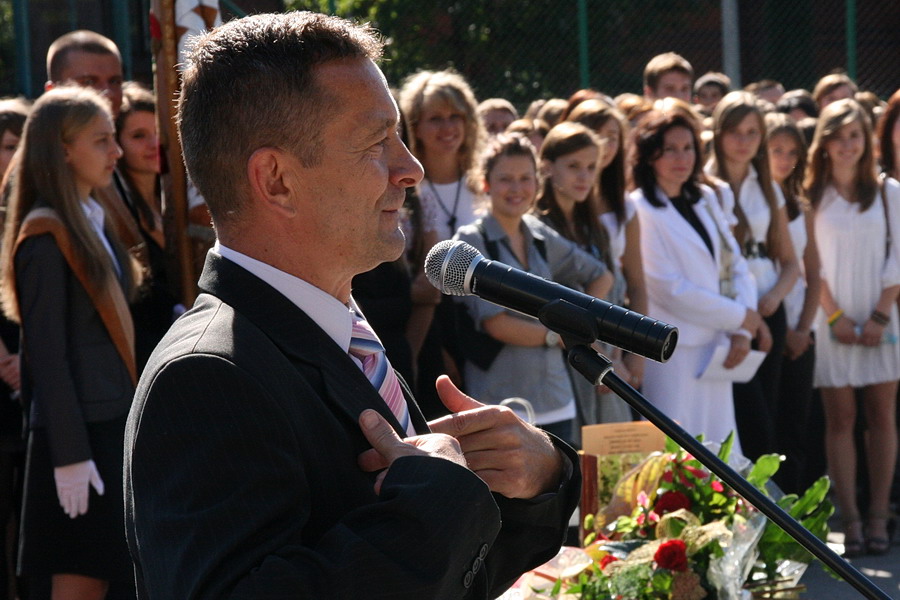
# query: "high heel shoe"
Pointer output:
{"type": "Point", "coordinates": [878, 545]}
{"type": "Point", "coordinates": [854, 543]}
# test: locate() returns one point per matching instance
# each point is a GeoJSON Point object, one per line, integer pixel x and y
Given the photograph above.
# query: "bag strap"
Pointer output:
{"type": "Point", "coordinates": [494, 251]}
{"type": "Point", "coordinates": [887, 222]}
{"type": "Point", "coordinates": [726, 256]}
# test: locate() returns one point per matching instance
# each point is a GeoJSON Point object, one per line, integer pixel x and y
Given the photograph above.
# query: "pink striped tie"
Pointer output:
{"type": "Point", "coordinates": [366, 346]}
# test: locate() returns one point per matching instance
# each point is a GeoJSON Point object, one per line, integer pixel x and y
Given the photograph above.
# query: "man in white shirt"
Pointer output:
{"type": "Point", "coordinates": [261, 460]}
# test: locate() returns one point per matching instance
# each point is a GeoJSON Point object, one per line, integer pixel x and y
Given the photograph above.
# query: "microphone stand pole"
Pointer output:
{"type": "Point", "coordinates": [598, 369]}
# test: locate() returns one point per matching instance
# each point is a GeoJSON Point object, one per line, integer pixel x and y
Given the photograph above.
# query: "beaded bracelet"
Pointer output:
{"type": "Point", "coordinates": [879, 317]}
{"type": "Point", "coordinates": [835, 316]}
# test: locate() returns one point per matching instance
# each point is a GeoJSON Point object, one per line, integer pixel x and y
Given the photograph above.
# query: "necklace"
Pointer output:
{"type": "Point", "coordinates": [451, 214]}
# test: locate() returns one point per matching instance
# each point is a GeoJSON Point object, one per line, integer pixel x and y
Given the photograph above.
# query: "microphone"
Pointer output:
{"type": "Point", "coordinates": [458, 269]}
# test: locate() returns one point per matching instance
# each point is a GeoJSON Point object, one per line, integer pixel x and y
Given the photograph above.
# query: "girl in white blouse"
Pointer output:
{"type": "Point", "coordinates": [787, 159]}
{"type": "Point", "coordinates": [618, 216]}
{"type": "Point", "coordinates": [740, 157]}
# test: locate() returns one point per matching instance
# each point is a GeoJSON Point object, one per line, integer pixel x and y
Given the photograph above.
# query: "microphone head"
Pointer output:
{"type": "Point", "coordinates": [448, 266]}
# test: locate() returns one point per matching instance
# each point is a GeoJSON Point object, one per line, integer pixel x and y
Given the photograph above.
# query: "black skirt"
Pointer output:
{"type": "Point", "coordinates": [92, 544]}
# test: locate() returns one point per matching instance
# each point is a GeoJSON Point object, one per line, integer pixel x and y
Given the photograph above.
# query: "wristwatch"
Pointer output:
{"type": "Point", "coordinates": [551, 339]}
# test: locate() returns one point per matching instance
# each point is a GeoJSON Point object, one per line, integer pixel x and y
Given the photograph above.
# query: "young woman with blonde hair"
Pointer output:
{"type": "Point", "coordinates": [66, 280]}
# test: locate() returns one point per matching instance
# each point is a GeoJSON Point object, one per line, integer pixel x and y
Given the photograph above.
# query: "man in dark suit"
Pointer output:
{"type": "Point", "coordinates": [261, 462]}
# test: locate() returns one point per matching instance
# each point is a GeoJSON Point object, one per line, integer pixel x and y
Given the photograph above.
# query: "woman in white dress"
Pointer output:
{"type": "Point", "coordinates": [740, 158]}
{"type": "Point", "coordinates": [858, 229]}
{"type": "Point", "coordinates": [696, 276]}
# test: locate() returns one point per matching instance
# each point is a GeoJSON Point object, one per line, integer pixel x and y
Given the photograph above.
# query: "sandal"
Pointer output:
{"type": "Point", "coordinates": [854, 545]}
{"type": "Point", "coordinates": [879, 546]}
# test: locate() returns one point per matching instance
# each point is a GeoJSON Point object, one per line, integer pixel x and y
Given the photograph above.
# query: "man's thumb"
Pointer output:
{"type": "Point", "coordinates": [453, 398]}
{"type": "Point", "coordinates": [380, 434]}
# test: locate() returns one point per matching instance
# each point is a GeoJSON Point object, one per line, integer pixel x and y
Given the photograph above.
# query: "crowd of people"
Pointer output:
{"type": "Point", "coordinates": [710, 208]}
{"type": "Point", "coordinates": [754, 219]}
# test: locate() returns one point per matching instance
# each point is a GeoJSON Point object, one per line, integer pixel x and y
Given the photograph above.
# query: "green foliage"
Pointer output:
{"type": "Point", "coordinates": [518, 50]}
{"type": "Point", "coordinates": [812, 510]}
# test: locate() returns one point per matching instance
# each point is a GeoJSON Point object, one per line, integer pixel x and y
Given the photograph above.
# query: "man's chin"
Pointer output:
{"type": "Point", "coordinates": [389, 249]}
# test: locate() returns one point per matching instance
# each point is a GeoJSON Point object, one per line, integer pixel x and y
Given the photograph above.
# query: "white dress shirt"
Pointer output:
{"type": "Point", "coordinates": [329, 313]}
{"type": "Point", "coordinates": [96, 216]}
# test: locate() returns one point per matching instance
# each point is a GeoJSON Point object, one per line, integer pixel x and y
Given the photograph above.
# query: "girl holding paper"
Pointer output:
{"type": "Point", "coordinates": [696, 276]}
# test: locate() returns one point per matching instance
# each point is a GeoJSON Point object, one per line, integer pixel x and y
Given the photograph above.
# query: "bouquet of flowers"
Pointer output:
{"type": "Point", "coordinates": [673, 530]}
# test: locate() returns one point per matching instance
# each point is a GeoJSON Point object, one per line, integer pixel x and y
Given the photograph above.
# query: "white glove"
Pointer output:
{"type": "Point", "coordinates": [72, 483]}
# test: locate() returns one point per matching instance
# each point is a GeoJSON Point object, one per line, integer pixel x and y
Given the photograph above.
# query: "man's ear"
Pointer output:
{"type": "Point", "coordinates": [269, 174]}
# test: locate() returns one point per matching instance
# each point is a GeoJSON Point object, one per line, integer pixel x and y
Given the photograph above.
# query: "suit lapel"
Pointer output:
{"type": "Point", "coordinates": [299, 337]}
{"type": "Point", "coordinates": [682, 230]}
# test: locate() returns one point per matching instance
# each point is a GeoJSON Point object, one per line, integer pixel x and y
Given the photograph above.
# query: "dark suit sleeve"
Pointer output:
{"type": "Point", "coordinates": [42, 277]}
{"type": "Point", "coordinates": [217, 498]}
{"type": "Point", "coordinates": [533, 530]}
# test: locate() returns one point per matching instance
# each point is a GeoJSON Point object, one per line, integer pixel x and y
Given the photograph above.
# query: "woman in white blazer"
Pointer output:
{"type": "Point", "coordinates": [696, 277]}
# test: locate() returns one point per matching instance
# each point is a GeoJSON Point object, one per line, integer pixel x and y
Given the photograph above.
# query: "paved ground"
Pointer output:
{"type": "Point", "coordinates": [883, 571]}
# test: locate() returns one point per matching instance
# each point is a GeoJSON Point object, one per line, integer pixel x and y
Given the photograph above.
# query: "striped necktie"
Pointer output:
{"type": "Point", "coordinates": [366, 346]}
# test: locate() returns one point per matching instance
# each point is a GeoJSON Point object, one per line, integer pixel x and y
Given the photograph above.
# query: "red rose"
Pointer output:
{"type": "Point", "coordinates": [672, 555]}
{"type": "Point", "coordinates": [609, 558]}
{"type": "Point", "coordinates": [717, 486]}
{"type": "Point", "coordinates": [671, 501]}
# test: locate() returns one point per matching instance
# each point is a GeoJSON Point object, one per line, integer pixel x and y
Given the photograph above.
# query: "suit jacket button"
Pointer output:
{"type": "Point", "coordinates": [470, 577]}
{"type": "Point", "coordinates": [476, 565]}
{"type": "Point", "coordinates": [483, 552]}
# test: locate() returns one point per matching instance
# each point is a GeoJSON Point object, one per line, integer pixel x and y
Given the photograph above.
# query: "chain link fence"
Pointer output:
{"type": "Point", "coordinates": [544, 48]}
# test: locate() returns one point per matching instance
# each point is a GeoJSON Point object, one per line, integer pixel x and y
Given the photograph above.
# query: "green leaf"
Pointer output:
{"type": "Point", "coordinates": [812, 497]}
{"type": "Point", "coordinates": [671, 446]}
{"type": "Point", "coordinates": [766, 466]}
{"type": "Point", "coordinates": [725, 448]}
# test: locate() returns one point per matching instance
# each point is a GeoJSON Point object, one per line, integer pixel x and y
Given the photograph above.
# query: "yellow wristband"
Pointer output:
{"type": "Point", "coordinates": [834, 317]}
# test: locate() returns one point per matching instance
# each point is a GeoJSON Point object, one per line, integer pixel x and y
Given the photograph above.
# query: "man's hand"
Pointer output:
{"type": "Point", "coordinates": [387, 447]}
{"type": "Point", "coordinates": [514, 458]}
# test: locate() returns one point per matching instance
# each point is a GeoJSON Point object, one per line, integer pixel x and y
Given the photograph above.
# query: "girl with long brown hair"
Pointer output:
{"type": "Point", "coordinates": [617, 215]}
{"type": "Point", "coordinates": [787, 159]}
{"type": "Point", "coordinates": [857, 226]}
{"type": "Point", "coordinates": [740, 158]}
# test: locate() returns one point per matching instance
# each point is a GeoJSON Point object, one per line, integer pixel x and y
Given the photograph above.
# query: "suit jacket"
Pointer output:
{"type": "Point", "coordinates": [241, 473]}
{"type": "Point", "coordinates": [683, 277]}
{"type": "Point", "coordinates": [72, 372]}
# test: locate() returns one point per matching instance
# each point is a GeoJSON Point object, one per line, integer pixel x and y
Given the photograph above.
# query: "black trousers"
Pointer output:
{"type": "Point", "coordinates": [756, 402]}
{"type": "Point", "coordinates": [792, 421]}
